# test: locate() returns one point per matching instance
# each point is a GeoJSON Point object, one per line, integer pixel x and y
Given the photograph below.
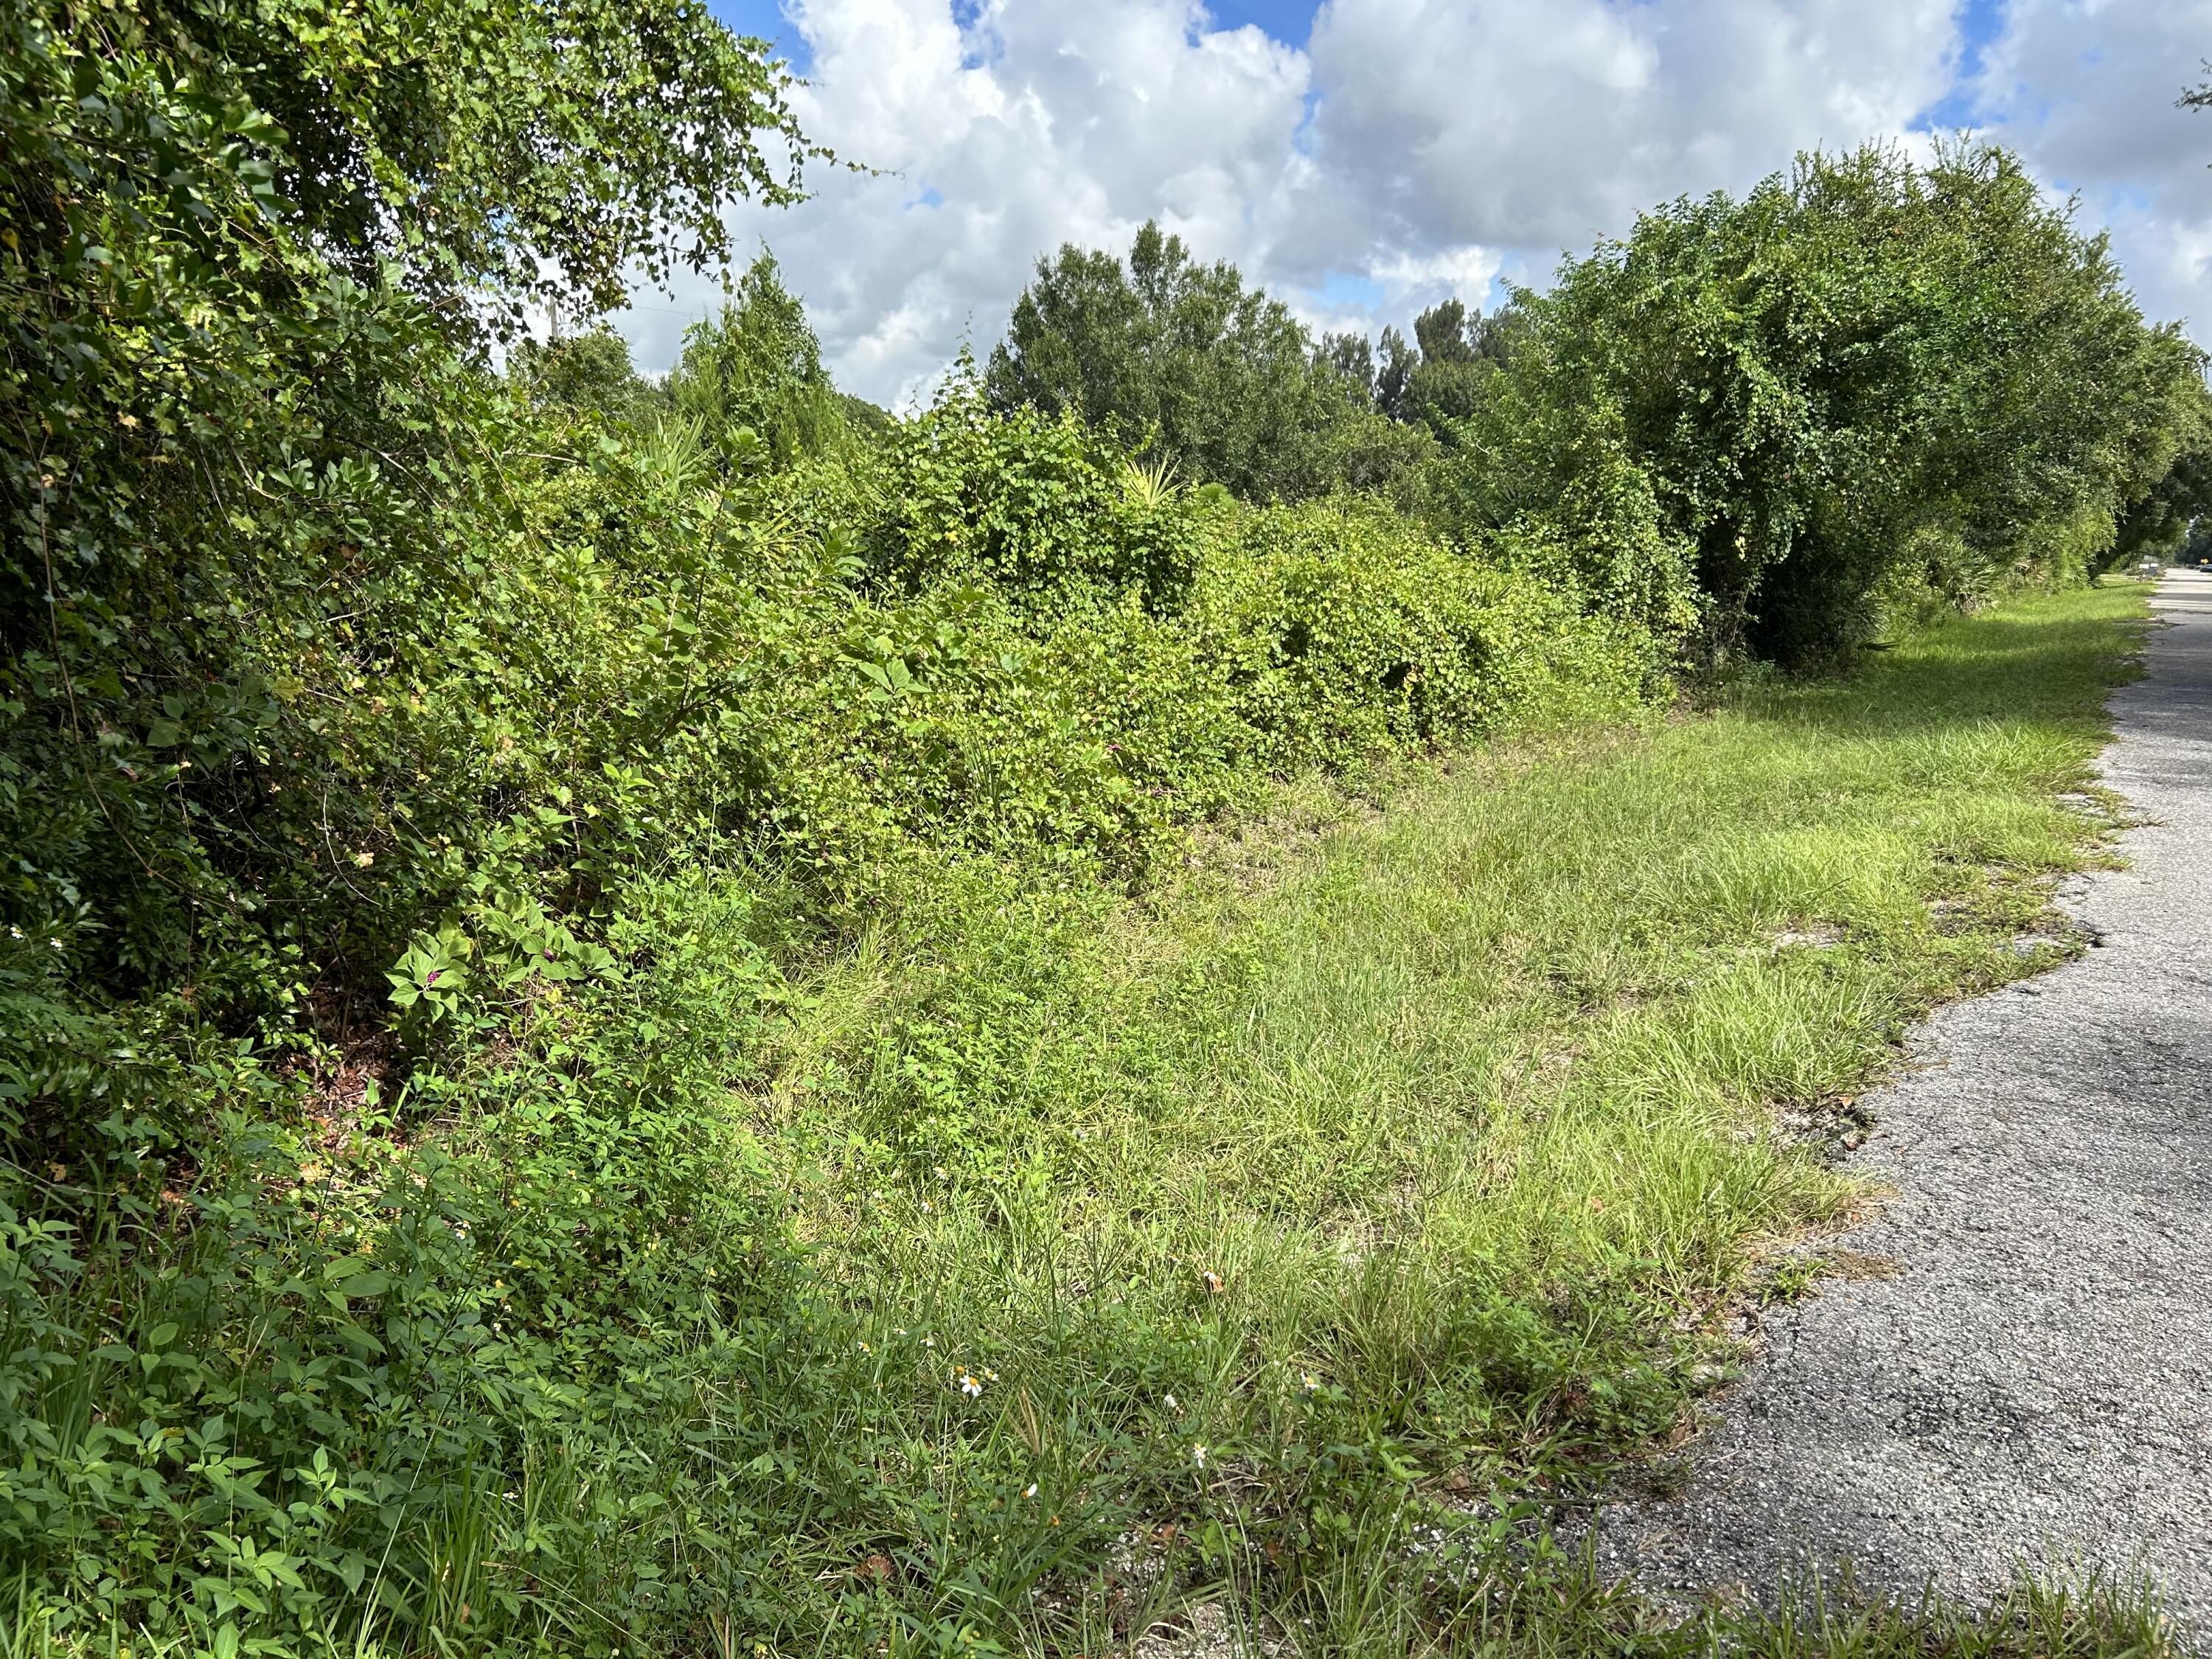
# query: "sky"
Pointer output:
{"type": "Point", "coordinates": [1367, 158]}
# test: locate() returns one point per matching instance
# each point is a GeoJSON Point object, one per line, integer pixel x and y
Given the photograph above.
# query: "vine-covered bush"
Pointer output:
{"type": "Point", "coordinates": [422, 1180]}
{"type": "Point", "coordinates": [1865, 376]}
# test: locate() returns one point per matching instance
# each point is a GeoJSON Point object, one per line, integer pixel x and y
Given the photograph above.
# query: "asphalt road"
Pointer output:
{"type": "Point", "coordinates": [2034, 1382]}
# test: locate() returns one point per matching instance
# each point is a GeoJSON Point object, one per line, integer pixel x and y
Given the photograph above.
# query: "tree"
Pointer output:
{"type": "Point", "coordinates": [758, 367]}
{"type": "Point", "coordinates": [1862, 374]}
{"type": "Point", "coordinates": [587, 371]}
{"type": "Point", "coordinates": [1184, 361]}
{"type": "Point", "coordinates": [1353, 357]}
{"type": "Point", "coordinates": [541, 150]}
{"type": "Point", "coordinates": [253, 253]}
{"type": "Point", "coordinates": [1460, 353]}
{"type": "Point", "coordinates": [1444, 379]}
{"type": "Point", "coordinates": [2171, 514]}
{"type": "Point", "coordinates": [2197, 97]}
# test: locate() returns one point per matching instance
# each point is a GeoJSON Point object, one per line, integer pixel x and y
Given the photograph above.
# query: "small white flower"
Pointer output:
{"type": "Point", "coordinates": [1197, 1456]}
{"type": "Point", "coordinates": [1310, 1381]}
{"type": "Point", "coordinates": [1029, 1490]}
{"type": "Point", "coordinates": [971, 1386]}
{"type": "Point", "coordinates": [1170, 1400]}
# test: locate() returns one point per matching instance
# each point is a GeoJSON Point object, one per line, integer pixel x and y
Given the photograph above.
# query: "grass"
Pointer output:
{"type": "Point", "coordinates": [1407, 1161]}
{"type": "Point", "coordinates": [1274, 1252]}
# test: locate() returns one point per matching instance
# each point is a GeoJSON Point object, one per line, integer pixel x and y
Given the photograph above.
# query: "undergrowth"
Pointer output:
{"type": "Point", "coordinates": [1290, 1236]}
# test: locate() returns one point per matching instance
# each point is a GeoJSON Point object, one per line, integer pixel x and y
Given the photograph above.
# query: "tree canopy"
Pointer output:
{"type": "Point", "coordinates": [1184, 360]}
{"type": "Point", "coordinates": [1863, 372]}
{"type": "Point", "coordinates": [252, 254]}
{"type": "Point", "coordinates": [755, 366]}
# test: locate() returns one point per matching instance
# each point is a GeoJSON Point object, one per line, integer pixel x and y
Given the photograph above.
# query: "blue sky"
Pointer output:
{"type": "Point", "coordinates": [1980, 23]}
{"type": "Point", "coordinates": [1369, 157]}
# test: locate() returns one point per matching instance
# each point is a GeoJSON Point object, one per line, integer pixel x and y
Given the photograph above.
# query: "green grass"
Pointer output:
{"type": "Point", "coordinates": [1280, 1246]}
{"type": "Point", "coordinates": [1414, 1155]}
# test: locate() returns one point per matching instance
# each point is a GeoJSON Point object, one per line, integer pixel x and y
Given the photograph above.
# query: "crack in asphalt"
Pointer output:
{"type": "Point", "coordinates": [2030, 1386]}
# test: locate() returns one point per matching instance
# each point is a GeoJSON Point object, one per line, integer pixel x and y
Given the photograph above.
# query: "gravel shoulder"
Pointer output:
{"type": "Point", "coordinates": [2030, 1384]}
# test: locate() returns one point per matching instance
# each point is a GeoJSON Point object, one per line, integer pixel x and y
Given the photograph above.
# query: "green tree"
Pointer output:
{"type": "Point", "coordinates": [1461, 351]}
{"type": "Point", "coordinates": [503, 149]}
{"type": "Point", "coordinates": [757, 367]}
{"type": "Point", "coordinates": [1184, 360]}
{"type": "Point", "coordinates": [2172, 516]}
{"type": "Point", "coordinates": [251, 255]}
{"type": "Point", "coordinates": [1864, 374]}
{"type": "Point", "coordinates": [591, 370]}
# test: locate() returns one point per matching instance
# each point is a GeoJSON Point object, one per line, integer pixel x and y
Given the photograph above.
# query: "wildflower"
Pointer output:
{"type": "Point", "coordinates": [970, 1386]}
{"type": "Point", "coordinates": [1029, 1490]}
{"type": "Point", "coordinates": [1197, 1456]}
{"type": "Point", "coordinates": [14, 932]}
{"type": "Point", "coordinates": [864, 1348]}
{"type": "Point", "coordinates": [989, 1376]}
{"type": "Point", "coordinates": [1171, 1405]}
{"type": "Point", "coordinates": [928, 1341]}
{"type": "Point", "coordinates": [56, 943]}
{"type": "Point", "coordinates": [362, 861]}
{"type": "Point", "coordinates": [1309, 1382]}
{"type": "Point", "coordinates": [1212, 1281]}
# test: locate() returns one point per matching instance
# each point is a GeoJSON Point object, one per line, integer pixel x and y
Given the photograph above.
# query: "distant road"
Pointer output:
{"type": "Point", "coordinates": [2035, 1380]}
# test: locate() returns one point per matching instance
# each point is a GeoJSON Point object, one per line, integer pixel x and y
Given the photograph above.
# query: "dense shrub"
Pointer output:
{"type": "Point", "coordinates": [446, 1196]}
{"type": "Point", "coordinates": [1866, 374]}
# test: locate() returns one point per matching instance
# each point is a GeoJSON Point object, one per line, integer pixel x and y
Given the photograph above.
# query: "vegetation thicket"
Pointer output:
{"type": "Point", "coordinates": [657, 1016]}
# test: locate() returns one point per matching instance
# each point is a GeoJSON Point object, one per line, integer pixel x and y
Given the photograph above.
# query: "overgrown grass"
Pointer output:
{"type": "Point", "coordinates": [1285, 1242]}
{"type": "Point", "coordinates": [1404, 1162]}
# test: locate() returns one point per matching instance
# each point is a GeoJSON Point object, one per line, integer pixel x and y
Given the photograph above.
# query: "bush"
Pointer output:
{"type": "Point", "coordinates": [1792, 395]}
{"type": "Point", "coordinates": [449, 1195]}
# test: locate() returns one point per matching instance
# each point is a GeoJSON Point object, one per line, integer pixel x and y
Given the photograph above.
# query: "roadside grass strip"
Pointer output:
{"type": "Point", "coordinates": [1296, 1238]}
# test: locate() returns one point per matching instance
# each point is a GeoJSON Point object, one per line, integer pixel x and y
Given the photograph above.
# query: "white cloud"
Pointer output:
{"type": "Point", "coordinates": [2086, 92]}
{"type": "Point", "coordinates": [1412, 149]}
{"type": "Point", "coordinates": [1540, 125]}
{"type": "Point", "coordinates": [1039, 124]}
